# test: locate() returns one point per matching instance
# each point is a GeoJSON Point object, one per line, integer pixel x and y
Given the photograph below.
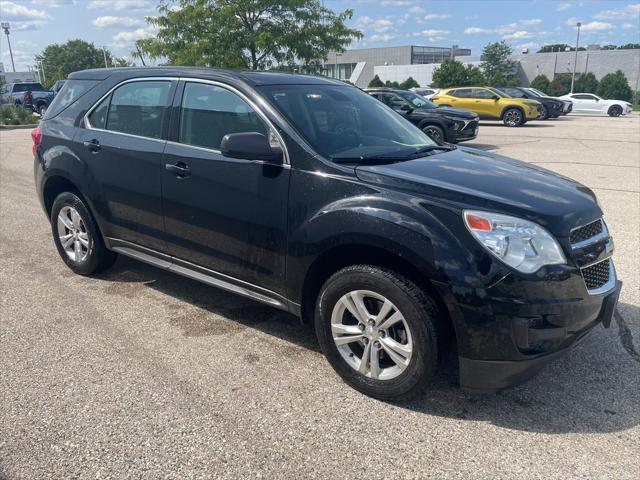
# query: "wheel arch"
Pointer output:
{"type": "Point", "coordinates": [341, 256]}
{"type": "Point", "coordinates": [54, 186]}
{"type": "Point", "coordinates": [510, 107]}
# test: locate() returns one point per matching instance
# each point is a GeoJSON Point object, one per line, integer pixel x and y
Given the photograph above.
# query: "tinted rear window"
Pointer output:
{"type": "Point", "coordinates": [28, 87]}
{"type": "Point", "coordinates": [72, 91]}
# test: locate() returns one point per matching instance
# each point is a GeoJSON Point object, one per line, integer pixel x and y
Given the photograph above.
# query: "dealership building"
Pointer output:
{"type": "Point", "coordinates": [359, 66]}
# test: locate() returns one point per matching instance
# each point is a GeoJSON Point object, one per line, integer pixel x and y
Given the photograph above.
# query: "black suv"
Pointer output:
{"type": "Point", "coordinates": [551, 107]}
{"type": "Point", "coordinates": [443, 124]}
{"type": "Point", "coordinates": [311, 196]}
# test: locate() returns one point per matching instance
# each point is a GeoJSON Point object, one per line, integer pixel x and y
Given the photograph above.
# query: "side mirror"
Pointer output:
{"type": "Point", "coordinates": [496, 98]}
{"type": "Point", "coordinates": [597, 99]}
{"type": "Point", "coordinates": [406, 107]}
{"type": "Point", "coordinates": [249, 146]}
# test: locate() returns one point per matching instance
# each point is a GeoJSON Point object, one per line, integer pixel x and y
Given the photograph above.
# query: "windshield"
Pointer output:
{"type": "Point", "coordinates": [513, 92]}
{"type": "Point", "coordinates": [500, 93]}
{"type": "Point", "coordinates": [537, 92]}
{"type": "Point", "coordinates": [417, 100]}
{"type": "Point", "coordinates": [345, 122]}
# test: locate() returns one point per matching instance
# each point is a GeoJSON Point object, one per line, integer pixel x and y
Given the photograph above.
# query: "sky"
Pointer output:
{"type": "Point", "coordinates": [116, 24]}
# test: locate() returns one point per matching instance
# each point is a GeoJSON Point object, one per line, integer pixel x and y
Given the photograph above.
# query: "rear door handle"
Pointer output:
{"type": "Point", "coordinates": [92, 145]}
{"type": "Point", "coordinates": [181, 169]}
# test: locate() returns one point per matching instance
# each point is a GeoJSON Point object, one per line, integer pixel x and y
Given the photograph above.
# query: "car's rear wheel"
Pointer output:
{"type": "Point", "coordinates": [435, 132]}
{"type": "Point", "coordinates": [380, 332]}
{"type": "Point", "coordinates": [615, 111]}
{"type": "Point", "coordinates": [513, 117]}
{"type": "Point", "coordinates": [77, 237]}
{"type": "Point", "coordinates": [42, 109]}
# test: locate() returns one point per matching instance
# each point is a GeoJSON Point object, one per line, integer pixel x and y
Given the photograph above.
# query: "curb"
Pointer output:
{"type": "Point", "coordinates": [18, 127]}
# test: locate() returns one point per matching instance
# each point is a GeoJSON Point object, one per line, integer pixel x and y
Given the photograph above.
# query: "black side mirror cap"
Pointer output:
{"type": "Point", "coordinates": [405, 107]}
{"type": "Point", "coordinates": [250, 146]}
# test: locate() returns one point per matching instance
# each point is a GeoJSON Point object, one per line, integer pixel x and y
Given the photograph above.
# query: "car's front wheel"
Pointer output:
{"type": "Point", "coordinates": [513, 117]}
{"type": "Point", "coordinates": [77, 237]}
{"type": "Point", "coordinates": [544, 113]}
{"type": "Point", "coordinates": [380, 332]}
{"type": "Point", "coordinates": [615, 111]}
{"type": "Point", "coordinates": [435, 132]}
{"type": "Point", "coordinates": [42, 109]}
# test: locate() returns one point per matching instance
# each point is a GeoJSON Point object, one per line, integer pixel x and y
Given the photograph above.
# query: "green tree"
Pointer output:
{"type": "Point", "coordinates": [608, 47]}
{"type": "Point", "coordinates": [629, 46]}
{"type": "Point", "coordinates": [409, 83]}
{"type": "Point", "coordinates": [559, 47]}
{"type": "Point", "coordinates": [560, 85]}
{"type": "Point", "coordinates": [376, 82]}
{"type": "Point", "coordinates": [59, 60]}
{"type": "Point", "coordinates": [247, 34]}
{"type": "Point", "coordinates": [452, 73]}
{"type": "Point", "coordinates": [390, 84]}
{"type": "Point", "coordinates": [496, 66]}
{"type": "Point", "coordinates": [615, 86]}
{"type": "Point", "coordinates": [586, 83]}
{"type": "Point", "coordinates": [541, 82]}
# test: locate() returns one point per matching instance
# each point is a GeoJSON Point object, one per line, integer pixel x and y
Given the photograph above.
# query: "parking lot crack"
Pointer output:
{"type": "Point", "coordinates": [626, 338]}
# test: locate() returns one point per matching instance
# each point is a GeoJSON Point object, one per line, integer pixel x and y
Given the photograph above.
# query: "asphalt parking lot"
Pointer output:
{"type": "Point", "coordinates": [139, 373]}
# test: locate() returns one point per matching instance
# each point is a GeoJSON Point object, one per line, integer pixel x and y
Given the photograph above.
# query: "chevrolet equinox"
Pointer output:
{"type": "Point", "coordinates": [309, 195]}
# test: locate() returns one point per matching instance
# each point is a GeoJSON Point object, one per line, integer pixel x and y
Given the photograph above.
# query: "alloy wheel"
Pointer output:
{"type": "Point", "coordinates": [434, 133]}
{"type": "Point", "coordinates": [371, 335]}
{"type": "Point", "coordinates": [73, 234]}
{"type": "Point", "coordinates": [513, 118]}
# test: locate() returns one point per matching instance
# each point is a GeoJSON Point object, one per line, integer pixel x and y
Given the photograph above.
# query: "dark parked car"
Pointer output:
{"type": "Point", "coordinates": [551, 107]}
{"type": "Point", "coordinates": [444, 124]}
{"type": "Point", "coordinates": [30, 95]}
{"type": "Point", "coordinates": [309, 195]}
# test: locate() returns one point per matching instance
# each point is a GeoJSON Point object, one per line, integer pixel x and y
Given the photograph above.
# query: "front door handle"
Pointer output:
{"type": "Point", "coordinates": [181, 169]}
{"type": "Point", "coordinates": [92, 145]}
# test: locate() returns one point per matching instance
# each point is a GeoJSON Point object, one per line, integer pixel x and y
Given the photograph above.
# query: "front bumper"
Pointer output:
{"type": "Point", "coordinates": [467, 130]}
{"type": "Point", "coordinates": [530, 333]}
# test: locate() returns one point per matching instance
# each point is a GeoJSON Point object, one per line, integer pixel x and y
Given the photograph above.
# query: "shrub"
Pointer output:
{"type": "Point", "coordinates": [16, 115]}
{"type": "Point", "coordinates": [542, 83]}
{"type": "Point", "coordinates": [586, 83]}
{"type": "Point", "coordinates": [409, 83]}
{"type": "Point", "coordinates": [615, 86]}
{"type": "Point", "coordinates": [376, 82]}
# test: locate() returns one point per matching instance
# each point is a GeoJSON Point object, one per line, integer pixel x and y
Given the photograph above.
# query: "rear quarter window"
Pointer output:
{"type": "Point", "coordinates": [68, 94]}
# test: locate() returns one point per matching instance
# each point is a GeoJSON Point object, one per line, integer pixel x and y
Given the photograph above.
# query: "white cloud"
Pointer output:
{"type": "Point", "coordinates": [628, 26]}
{"type": "Point", "coordinates": [123, 39]}
{"type": "Point", "coordinates": [530, 22]}
{"type": "Point", "coordinates": [596, 26]}
{"type": "Point", "coordinates": [417, 10]}
{"type": "Point", "coordinates": [432, 33]}
{"type": "Point", "coordinates": [382, 25]}
{"type": "Point", "coordinates": [110, 21]}
{"type": "Point", "coordinates": [16, 12]}
{"type": "Point", "coordinates": [475, 30]}
{"type": "Point", "coordinates": [472, 17]}
{"type": "Point", "coordinates": [630, 11]}
{"type": "Point", "coordinates": [529, 46]}
{"type": "Point", "coordinates": [54, 3]}
{"type": "Point", "coordinates": [382, 38]}
{"type": "Point", "coordinates": [519, 35]}
{"type": "Point", "coordinates": [561, 7]}
{"type": "Point", "coordinates": [120, 4]}
{"type": "Point", "coordinates": [363, 21]}
{"type": "Point", "coordinates": [436, 16]}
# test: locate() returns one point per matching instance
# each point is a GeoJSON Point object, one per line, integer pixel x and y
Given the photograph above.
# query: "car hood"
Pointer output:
{"type": "Point", "coordinates": [452, 112]}
{"type": "Point", "coordinates": [471, 178]}
{"type": "Point", "coordinates": [552, 99]}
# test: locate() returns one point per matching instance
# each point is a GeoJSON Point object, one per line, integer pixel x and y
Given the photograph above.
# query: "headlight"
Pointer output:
{"type": "Point", "coordinates": [458, 123]}
{"type": "Point", "coordinates": [521, 244]}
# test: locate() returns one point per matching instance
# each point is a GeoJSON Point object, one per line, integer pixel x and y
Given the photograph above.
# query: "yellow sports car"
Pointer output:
{"type": "Point", "coordinates": [489, 103]}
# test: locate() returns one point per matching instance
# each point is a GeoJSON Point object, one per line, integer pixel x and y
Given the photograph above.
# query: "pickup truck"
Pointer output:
{"type": "Point", "coordinates": [28, 94]}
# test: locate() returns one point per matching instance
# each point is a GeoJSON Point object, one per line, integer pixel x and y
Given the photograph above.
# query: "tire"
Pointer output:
{"type": "Point", "coordinates": [615, 111]}
{"type": "Point", "coordinates": [544, 114]}
{"type": "Point", "coordinates": [513, 117]}
{"type": "Point", "coordinates": [42, 109]}
{"type": "Point", "coordinates": [435, 133]}
{"type": "Point", "coordinates": [88, 255]}
{"type": "Point", "coordinates": [419, 331]}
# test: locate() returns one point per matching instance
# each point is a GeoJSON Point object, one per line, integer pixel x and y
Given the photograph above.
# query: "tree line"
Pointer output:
{"type": "Point", "coordinates": [612, 85]}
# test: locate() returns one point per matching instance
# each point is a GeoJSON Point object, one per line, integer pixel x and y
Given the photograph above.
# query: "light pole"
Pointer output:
{"type": "Point", "coordinates": [5, 27]}
{"type": "Point", "coordinates": [575, 58]}
{"type": "Point", "coordinates": [104, 52]}
{"type": "Point", "coordinates": [335, 73]}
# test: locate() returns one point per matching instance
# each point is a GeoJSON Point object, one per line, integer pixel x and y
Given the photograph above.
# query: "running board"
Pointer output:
{"type": "Point", "coordinates": [209, 277]}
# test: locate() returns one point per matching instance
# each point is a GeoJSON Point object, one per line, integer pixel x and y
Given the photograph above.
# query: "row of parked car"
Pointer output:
{"type": "Point", "coordinates": [31, 95]}
{"type": "Point", "coordinates": [452, 115]}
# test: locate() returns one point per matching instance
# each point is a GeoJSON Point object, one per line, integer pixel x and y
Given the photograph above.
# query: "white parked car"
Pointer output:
{"type": "Point", "coordinates": [591, 103]}
{"type": "Point", "coordinates": [425, 92]}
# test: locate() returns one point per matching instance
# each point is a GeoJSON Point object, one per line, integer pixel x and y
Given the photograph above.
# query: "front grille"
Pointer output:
{"type": "Point", "coordinates": [595, 276]}
{"type": "Point", "coordinates": [586, 232]}
{"type": "Point", "coordinates": [470, 126]}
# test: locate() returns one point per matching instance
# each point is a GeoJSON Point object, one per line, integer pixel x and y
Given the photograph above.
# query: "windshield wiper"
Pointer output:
{"type": "Point", "coordinates": [395, 156]}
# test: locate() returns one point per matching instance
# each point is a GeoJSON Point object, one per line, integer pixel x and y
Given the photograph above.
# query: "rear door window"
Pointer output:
{"type": "Point", "coordinates": [68, 94]}
{"type": "Point", "coordinates": [210, 112]}
{"type": "Point", "coordinates": [138, 108]}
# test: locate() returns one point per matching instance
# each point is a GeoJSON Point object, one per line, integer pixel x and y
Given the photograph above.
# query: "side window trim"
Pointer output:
{"type": "Point", "coordinates": [176, 112]}
{"type": "Point", "coordinates": [163, 137]}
